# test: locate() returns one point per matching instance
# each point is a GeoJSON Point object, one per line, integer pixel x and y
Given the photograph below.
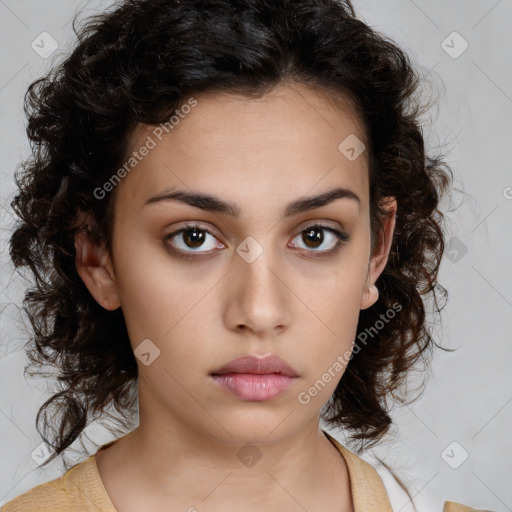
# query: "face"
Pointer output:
{"type": "Point", "coordinates": [201, 283]}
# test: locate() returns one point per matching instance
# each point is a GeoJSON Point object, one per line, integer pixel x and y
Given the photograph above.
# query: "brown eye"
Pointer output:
{"type": "Point", "coordinates": [314, 236]}
{"type": "Point", "coordinates": [192, 237]}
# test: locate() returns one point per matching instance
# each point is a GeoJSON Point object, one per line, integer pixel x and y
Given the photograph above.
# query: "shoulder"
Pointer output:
{"type": "Point", "coordinates": [44, 497]}
{"type": "Point", "coordinates": [400, 501]}
{"type": "Point", "coordinates": [375, 488]}
{"type": "Point", "coordinates": [68, 492]}
{"type": "Point", "coordinates": [368, 491]}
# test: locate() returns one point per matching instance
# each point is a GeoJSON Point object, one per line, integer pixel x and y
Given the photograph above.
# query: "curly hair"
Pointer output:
{"type": "Point", "coordinates": [137, 62]}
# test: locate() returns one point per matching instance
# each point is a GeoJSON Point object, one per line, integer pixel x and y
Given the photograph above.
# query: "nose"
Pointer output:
{"type": "Point", "coordinates": [260, 299]}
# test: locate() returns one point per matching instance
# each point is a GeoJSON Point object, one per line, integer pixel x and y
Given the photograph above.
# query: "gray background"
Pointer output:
{"type": "Point", "coordinates": [468, 395]}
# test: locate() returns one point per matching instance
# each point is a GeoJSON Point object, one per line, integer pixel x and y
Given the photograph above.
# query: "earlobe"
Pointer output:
{"type": "Point", "coordinates": [370, 296]}
{"type": "Point", "coordinates": [94, 267]}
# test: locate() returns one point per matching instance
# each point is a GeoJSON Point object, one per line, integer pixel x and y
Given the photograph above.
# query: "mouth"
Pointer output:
{"type": "Point", "coordinates": [254, 387]}
{"type": "Point", "coordinates": [254, 378]}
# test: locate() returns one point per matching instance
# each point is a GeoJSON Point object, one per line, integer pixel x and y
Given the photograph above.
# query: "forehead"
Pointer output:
{"type": "Point", "coordinates": [289, 142]}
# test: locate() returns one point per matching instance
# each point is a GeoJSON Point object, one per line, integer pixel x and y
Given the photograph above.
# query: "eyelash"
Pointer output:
{"type": "Point", "coordinates": [341, 239]}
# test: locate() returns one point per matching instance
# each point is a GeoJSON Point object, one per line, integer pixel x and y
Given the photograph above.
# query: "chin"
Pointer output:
{"type": "Point", "coordinates": [258, 428]}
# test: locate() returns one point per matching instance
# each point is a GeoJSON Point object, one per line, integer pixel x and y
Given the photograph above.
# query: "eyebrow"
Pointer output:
{"type": "Point", "coordinates": [214, 204]}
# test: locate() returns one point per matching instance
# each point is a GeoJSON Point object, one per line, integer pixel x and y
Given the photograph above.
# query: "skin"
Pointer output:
{"type": "Point", "coordinates": [207, 310]}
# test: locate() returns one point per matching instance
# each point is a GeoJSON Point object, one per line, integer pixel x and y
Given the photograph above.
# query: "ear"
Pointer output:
{"type": "Point", "coordinates": [380, 255]}
{"type": "Point", "coordinates": [94, 266]}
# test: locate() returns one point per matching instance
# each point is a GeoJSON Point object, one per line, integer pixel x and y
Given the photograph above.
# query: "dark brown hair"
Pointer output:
{"type": "Point", "coordinates": [137, 63]}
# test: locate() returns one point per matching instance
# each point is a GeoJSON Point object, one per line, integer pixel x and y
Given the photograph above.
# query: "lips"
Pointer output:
{"type": "Point", "coordinates": [257, 366]}
{"type": "Point", "coordinates": [255, 379]}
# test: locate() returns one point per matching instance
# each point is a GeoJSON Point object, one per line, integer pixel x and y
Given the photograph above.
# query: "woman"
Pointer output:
{"type": "Point", "coordinates": [232, 221]}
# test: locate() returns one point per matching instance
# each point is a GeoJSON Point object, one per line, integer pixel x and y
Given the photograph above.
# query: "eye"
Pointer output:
{"type": "Point", "coordinates": [193, 237]}
{"type": "Point", "coordinates": [313, 237]}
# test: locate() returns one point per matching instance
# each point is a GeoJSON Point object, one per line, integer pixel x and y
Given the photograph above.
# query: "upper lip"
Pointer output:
{"type": "Point", "coordinates": [257, 365]}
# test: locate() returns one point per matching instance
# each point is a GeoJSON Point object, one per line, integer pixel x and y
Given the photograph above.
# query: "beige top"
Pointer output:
{"type": "Point", "coordinates": [81, 489]}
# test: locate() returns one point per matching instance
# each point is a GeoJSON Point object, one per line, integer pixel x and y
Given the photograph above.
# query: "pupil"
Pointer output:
{"type": "Point", "coordinates": [315, 236]}
{"type": "Point", "coordinates": [196, 239]}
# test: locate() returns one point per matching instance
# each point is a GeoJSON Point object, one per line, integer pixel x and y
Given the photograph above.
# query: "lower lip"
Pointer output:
{"type": "Point", "coordinates": [253, 387]}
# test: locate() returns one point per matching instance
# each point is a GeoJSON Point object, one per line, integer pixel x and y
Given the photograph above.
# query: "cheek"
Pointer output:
{"type": "Point", "coordinates": [176, 314]}
{"type": "Point", "coordinates": [155, 294]}
{"type": "Point", "coordinates": [326, 359]}
{"type": "Point", "coordinates": [332, 304]}
{"type": "Point", "coordinates": [329, 327]}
